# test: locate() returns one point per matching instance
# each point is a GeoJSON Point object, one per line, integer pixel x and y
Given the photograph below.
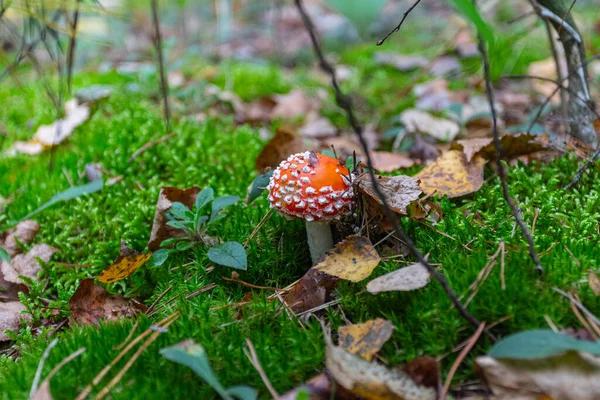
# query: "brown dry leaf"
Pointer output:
{"type": "Point", "coordinates": [366, 339]}
{"type": "Point", "coordinates": [125, 265]}
{"type": "Point", "coordinates": [451, 175]}
{"type": "Point", "coordinates": [24, 233]}
{"type": "Point", "coordinates": [284, 143]}
{"type": "Point", "coordinates": [27, 264]}
{"type": "Point", "coordinates": [594, 282]}
{"type": "Point", "coordinates": [513, 146]}
{"type": "Point", "coordinates": [399, 191]}
{"type": "Point", "coordinates": [425, 371]}
{"type": "Point", "coordinates": [345, 145]}
{"type": "Point", "coordinates": [312, 290]}
{"type": "Point", "coordinates": [318, 128]}
{"type": "Point", "coordinates": [401, 62]}
{"type": "Point", "coordinates": [385, 161]}
{"type": "Point", "coordinates": [167, 196]}
{"type": "Point", "coordinates": [51, 135]}
{"type": "Point", "coordinates": [568, 376]}
{"type": "Point", "coordinates": [546, 69]}
{"type": "Point", "coordinates": [91, 304]}
{"type": "Point", "coordinates": [9, 291]}
{"type": "Point", "coordinates": [370, 380]}
{"type": "Point", "coordinates": [10, 318]}
{"type": "Point", "coordinates": [293, 104]}
{"type": "Point", "coordinates": [352, 259]}
{"type": "Point", "coordinates": [419, 121]}
{"type": "Point", "coordinates": [404, 279]}
{"type": "Point", "coordinates": [423, 150]}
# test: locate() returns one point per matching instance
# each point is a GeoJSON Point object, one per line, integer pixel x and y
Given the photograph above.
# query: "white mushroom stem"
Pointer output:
{"type": "Point", "coordinates": [319, 239]}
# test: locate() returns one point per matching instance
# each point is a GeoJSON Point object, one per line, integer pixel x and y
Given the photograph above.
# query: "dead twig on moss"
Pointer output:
{"type": "Point", "coordinates": [346, 104]}
{"type": "Point", "coordinates": [253, 357]}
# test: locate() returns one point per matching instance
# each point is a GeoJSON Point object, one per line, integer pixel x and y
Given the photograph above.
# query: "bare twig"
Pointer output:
{"type": "Point", "coordinates": [397, 28]}
{"type": "Point", "coordinates": [460, 359]}
{"type": "Point", "coordinates": [565, 16]}
{"type": "Point", "coordinates": [578, 304]}
{"type": "Point", "coordinates": [346, 104]}
{"type": "Point", "coordinates": [61, 364]}
{"type": "Point", "coordinates": [164, 84]}
{"type": "Point", "coordinates": [150, 144]}
{"type": "Point", "coordinates": [38, 372]}
{"type": "Point", "coordinates": [583, 168]}
{"type": "Point", "coordinates": [499, 156]}
{"type": "Point", "coordinates": [72, 44]}
{"type": "Point", "coordinates": [253, 357]}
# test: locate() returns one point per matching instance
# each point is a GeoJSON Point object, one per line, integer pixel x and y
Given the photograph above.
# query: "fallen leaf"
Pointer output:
{"type": "Point", "coordinates": [401, 62]}
{"type": "Point", "coordinates": [10, 318]}
{"type": "Point", "coordinates": [352, 259]}
{"type": "Point", "coordinates": [312, 290]}
{"type": "Point", "coordinates": [594, 282]}
{"type": "Point", "coordinates": [318, 128]}
{"type": "Point", "coordinates": [27, 264]}
{"type": "Point", "coordinates": [94, 93]}
{"type": "Point", "coordinates": [284, 143]}
{"type": "Point", "coordinates": [91, 304]}
{"type": "Point", "coordinates": [9, 291]}
{"type": "Point", "coordinates": [365, 339]}
{"type": "Point", "coordinates": [125, 265]}
{"type": "Point", "coordinates": [24, 232]}
{"type": "Point", "coordinates": [451, 175]}
{"type": "Point", "coordinates": [404, 279]}
{"type": "Point", "coordinates": [419, 121]}
{"type": "Point", "coordinates": [444, 65]}
{"type": "Point", "coordinates": [465, 45]}
{"type": "Point", "coordinates": [320, 387]}
{"type": "Point", "coordinates": [293, 104]}
{"type": "Point", "coordinates": [422, 149]}
{"type": "Point", "coordinates": [433, 95]}
{"type": "Point", "coordinates": [513, 146]}
{"type": "Point", "coordinates": [370, 380]}
{"type": "Point", "coordinates": [424, 371]}
{"type": "Point", "coordinates": [385, 161]}
{"type": "Point", "coordinates": [257, 111]}
{"type": "Point", "coordinates": [167, 196]}
{"type": "Point", "coordinates": [399, 191]}
{"type": "Point", "coordinates": [48, 136]}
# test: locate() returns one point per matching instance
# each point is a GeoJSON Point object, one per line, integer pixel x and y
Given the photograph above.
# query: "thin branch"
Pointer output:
{"type": "Point", "coordinates": [500, 153]}
{"type": "Point", "coordinates": [72, 44]}
{"type": "Point", "coordinates": [164, 84]}
{"type": "Point", "coordinates": [253, 357]}
{"type": "Point", "coordinates": [397, 28]}
{"type": "Point", "coordinates": [559, 73]}
{"type": "Point", "coordinates": [346, 104]}
{"type": "Point", "coordinates": [38, 372]}
{"type": "Point", "coordinates": [582, 169]}
{"type": "Point", "coordinates": [565, 16]}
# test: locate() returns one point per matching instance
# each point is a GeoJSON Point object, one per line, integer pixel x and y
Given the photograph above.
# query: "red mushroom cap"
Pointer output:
{"type": "Point", "coordinates": [310, 186]}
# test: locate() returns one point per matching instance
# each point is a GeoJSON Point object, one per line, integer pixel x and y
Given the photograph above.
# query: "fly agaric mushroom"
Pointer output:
{"type": "Point", "coordinates": [316, 188]}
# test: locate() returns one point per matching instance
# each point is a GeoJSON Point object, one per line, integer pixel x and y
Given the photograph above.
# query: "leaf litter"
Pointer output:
{"type": "Point", "coordinates": [124, 266]}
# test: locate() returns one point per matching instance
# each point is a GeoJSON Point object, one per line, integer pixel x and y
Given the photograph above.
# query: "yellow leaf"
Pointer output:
{"type": "Point", "coordinates": [451, 175]}
{"type": "Point", "coordinates": [125, 265]}
{"type": "Point", "coordinates": [352, 259]}
{"type": "Point", "coordinates": [365, 339]}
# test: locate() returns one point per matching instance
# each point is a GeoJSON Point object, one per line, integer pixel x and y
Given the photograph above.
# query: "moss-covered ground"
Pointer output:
{"type": "Point", "coordinates": [216, 154]}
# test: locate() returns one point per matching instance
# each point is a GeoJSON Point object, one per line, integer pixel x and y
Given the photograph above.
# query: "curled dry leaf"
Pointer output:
{"type": "Point", "coordinates": [370, 380]}
{"type": "Point", "coordinates": [167, 196]}
{"type": "Point", "coordinates": [91, 304]}
{"type": "Point", "coordinates": [404, 279]}
{"type": "Point", "coordinates": [568, 376]}
{"type": "Point", "coordinates": [352, 259]}
{"type": "Point", "coordinates": [125, 265]}
{"type": "Point", "coordinates": [385, 161]}
{"type": "Point", "coordinates": [24, 233]}
{"type": "Point", "coordinates": [51, 135]}
{"type": "Point", "coordinates": [27, 264]}
{"type": "Point", "coordinates": [312, 290]}
{"type": "Point", "coordinates": [452, 175]}
{"type": "Point", "coordinates": [366, 339]}
{"type": "Point", "coordinates": [399, 191]}
{"type": "Point", "coordinates": [284, 143]}
{"type": "Point", "coordinates": [513, 146]}
{"type": "Point", "coordinates": [419, 121]}
{"type": "Point", "coordinates": [10, 318]}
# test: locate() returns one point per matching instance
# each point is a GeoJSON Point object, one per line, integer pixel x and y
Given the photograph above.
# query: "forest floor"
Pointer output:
{"type": "Point", "coordinates": [212, 148]}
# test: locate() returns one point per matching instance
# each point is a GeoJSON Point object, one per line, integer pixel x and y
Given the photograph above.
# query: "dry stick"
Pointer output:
{"type": "Point", "coordinates": [263, 221]}
{"type": "Point", "coordinates": [38, 372]}
{"type": "Point", "coordinates": [346, 104]}
{"type": "Point", "coordinates": [150, 144]}
{"type": "Point", "coordinates": [250, 285]}
{"type": "Point", "coordinates": [164, 84]}
{"type": "Point", "coordinates": [585, 323]}
{"type": "Point", "coordinates": [159, 298]}
{"type": "Point", "coordinates": [72, 44]}
{"type": "Point", "coordinates": [460, 359]}
{"type": "Point", "coordinates": [130, 362]}
{"type": "Point", "coordinates": [578, 304]}
{"type": "Point", "coordinates": [582, 169]}
{"type": "Point", "coordinates": [397, 28]}
{"type": "Point", "coordinates": [253, 357]}
{"type": "Point", "coordinates": [84, 394]}
{"type": "Point", "coordinates": [500, 155]}
{"type": "Point", "coordinates": [129, 335]}
{"type": "Point", "coordinates": [562, 22]}
{"type": "Point", "coordinates": [61, 364]}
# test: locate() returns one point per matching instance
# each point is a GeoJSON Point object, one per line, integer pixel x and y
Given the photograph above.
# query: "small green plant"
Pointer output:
{"type": "Point", "coordinates": [195, 224]}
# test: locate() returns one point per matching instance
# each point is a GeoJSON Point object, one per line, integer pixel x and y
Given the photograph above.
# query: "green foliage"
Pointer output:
{"type": "Point", "coordinates": [194, 356]}
{"type": "Point", "coordinates": [195, 225]}
{"type": "Point", "coordinates": [258, 185]}
{"type": "Point", "coordinates": [469, 10]}
{"type": "Point", "coordinates": [4, 255]}
{"type": "Point", "coordinates": [540, 343]}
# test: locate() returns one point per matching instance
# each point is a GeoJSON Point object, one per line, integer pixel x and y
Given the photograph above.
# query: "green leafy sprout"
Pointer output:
{"type": "Point", "coordinates": [195, 225]}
